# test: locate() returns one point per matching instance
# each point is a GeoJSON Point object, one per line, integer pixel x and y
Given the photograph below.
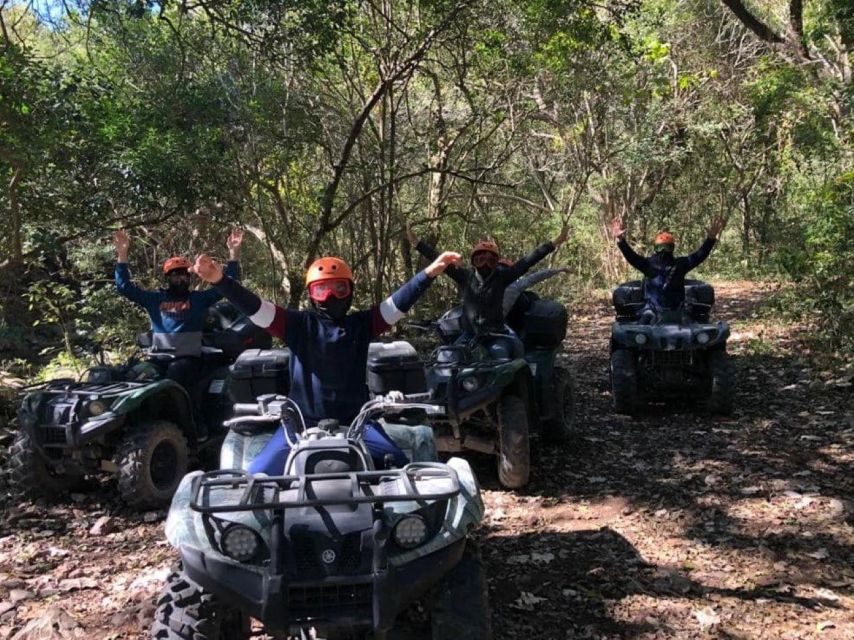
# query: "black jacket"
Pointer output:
{"type": "Point", "coordinates": [483, 300]}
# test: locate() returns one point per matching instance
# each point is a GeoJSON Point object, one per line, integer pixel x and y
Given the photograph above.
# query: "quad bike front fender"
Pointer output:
{"type": "Point", "coordinates": [669, 337]}
{"type": "Point", "coordinates": [171, 399]}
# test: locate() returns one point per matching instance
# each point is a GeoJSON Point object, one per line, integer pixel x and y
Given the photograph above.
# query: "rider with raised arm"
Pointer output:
{"type": "Point", "coordinates": [177, 314]}
{"type": "Point", "coordinates": [329, 346]}
{"type": "Point", "coordinates": [664, 274]}
{"type": "Point", "coordinates": [483, 286]}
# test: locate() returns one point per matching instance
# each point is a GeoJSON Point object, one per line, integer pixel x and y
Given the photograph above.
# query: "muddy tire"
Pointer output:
{"type": "Point", "coordinates": [514, 457]}
{"type": "Point", "coordinates": [151, 462]}
{"type": "Point", "coordinates": [561, 427]}
{"type": "Point", "coordinates": [721, 383]}
{"type": "Point", "coordinates": [30, 476]}
{"type": "Point", "coordinates": [186, 612]}
{"type": "Point", "coordinates": [460, 605]}
{"type": "Point", "coordinates": [624, 381]}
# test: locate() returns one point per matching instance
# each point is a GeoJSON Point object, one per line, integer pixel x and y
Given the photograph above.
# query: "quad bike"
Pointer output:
{"type": "Point", "coordinates": [332, 547]}
{"type": "Point", "coordinates": [128, 420]}
{"type": "Point", "coordinates": [682, 354]}
{"type": "Point", "coordinates": [491, 388]}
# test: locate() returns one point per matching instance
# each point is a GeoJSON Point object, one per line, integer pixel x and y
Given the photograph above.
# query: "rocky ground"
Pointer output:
{"type": "Point", "coordinates": [668, 525]}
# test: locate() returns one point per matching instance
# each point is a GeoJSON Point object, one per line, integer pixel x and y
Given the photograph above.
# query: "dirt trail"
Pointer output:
{"type": "Point", "coordinates": [670, 525]}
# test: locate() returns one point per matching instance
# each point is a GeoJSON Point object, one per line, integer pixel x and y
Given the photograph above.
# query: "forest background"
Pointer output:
{"type": "Point", "coordinates": [324, 126]}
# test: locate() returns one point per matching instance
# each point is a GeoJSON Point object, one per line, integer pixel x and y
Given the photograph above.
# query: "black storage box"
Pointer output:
{"type": "Point", "coordinates": [395, 366]}
{"type": "Point", "coordinates": [628, 300]}
{"type": "Point", "coordinates": [544, 324]}
{"type": "Point", "coordinates": [699, 299]}
{"type": "Point", "coordinates": [257, 372]}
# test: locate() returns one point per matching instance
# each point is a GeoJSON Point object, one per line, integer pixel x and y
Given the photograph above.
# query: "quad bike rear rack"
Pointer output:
{"type": "Point", "coordinates": [260, 492]}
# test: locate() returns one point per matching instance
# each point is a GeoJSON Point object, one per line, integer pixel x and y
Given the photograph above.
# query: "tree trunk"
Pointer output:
{"type": "Point", "coordinates": [15, 213]}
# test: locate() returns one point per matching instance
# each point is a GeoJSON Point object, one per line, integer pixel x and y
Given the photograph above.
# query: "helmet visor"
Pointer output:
{"type": "Point", "coordinates": [484, 259]}
{"type": "Point", "coordinates": [322, 290]}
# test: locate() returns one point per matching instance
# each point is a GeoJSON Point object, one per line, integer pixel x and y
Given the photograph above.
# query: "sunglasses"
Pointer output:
{"type": "Point", "coordinates": [659, 248]}
{"type": "Point", "coordinates": [323, 290]}
{"type": "Point", "coordinates": [484, 259]}
{"type": "Point", "coordinates": [178, 275]}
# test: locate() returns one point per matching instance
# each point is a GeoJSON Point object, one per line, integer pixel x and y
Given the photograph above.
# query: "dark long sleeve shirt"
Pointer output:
{"type": "Point", "coordinates": [483, 298]}
{"type": "Point", "coordinates": [176, 322]}
{"type": "Point", "coordinates": [664, 274]}
{"type": "Point", "coordinates": [328, 359]}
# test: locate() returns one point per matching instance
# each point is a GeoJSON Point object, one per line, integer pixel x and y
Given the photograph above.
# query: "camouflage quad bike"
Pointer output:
{"type": "Point", "coordinates": [491, 389]}
{"type": "Point", "coordinates": [332, 547]}
{"type": "Point", "coordinates": [681, 355]}
{"type": "Point", "coordinates": [128, 420]}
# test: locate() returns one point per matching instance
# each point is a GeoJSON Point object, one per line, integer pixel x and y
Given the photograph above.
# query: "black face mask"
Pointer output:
{"type": "Point", "coordinates": [178, 287]}
{"type": "Point", "coordinates": [334, 308]}
{"type": "Point", "coordinates": [484, 272]}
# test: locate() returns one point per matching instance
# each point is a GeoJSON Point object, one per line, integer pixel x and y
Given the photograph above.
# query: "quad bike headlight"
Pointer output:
{"type": "Point", "coordinates": [640, 338]}
{"type": "Point", "coordinates": [97, 407]}
{"type": "Point", "coordinates": [470, 384]}
{"type": "Point", "coordinates": [240, 543]}
{"type": "Point", "coordinates": [703, 337]}
{"type": "Point", "coordinates": [410, 531]}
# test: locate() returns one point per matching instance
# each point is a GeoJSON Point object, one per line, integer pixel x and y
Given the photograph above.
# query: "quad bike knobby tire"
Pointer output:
{"type": "Point", "coordinates": [559, 429]}
{"type": "Point", "coordinates": [30, 476]}
{"type": "Point", "coordinates": [721, 383]}
{"type": "Point", "coordinates": [460, 604]}
{"type": "Point", "coordinates": [624, 381]}
{"type": "Point", "coordinates": [151, 462]}
{"type": "Point", "coordinates": [186, 612]}
{"type": "Point", "coordinates": [514, 456]}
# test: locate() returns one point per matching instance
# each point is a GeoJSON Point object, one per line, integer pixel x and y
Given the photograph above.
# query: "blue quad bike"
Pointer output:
{"type": "Point", "coordinates": [128, 420]}
{"type": "Point", "coordinates": [330, 547]}
{"type": "Point", "coordinates": [492, 388]}
{"type": "Point", "coordinates": [681, 354]}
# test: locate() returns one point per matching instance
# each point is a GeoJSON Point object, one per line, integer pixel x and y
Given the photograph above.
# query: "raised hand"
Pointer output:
{"type": "Point", "coordinates": [717, 226]}
{"type": "Point", "coordinates": [121, 241]}
{"type": "Point", "coordinates": [564, 234]}
{"type": "Point", "coordinates": [207, 269]}
{"type": "Point", "coordinates": [445, 260]}
{"type": "Point", "coordinates": [617, 227]}
{"type": "Point", "coordinates": [410, 235]}
{"type": "Point", "coordinates": [234, 242]}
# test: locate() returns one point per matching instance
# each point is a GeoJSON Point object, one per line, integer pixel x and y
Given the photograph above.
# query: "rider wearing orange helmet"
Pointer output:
{"type": "Point", "coordinates": [664, 273]}
{"type": "Point", "coordinates": [177, 314]}
{"type": "Point", "coordinates": [483, 286]}
{"type": "Point", "coordinates": [328, 343]}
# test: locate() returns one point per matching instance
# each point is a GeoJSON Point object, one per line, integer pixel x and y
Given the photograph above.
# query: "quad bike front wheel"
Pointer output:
{"type": "Point", "coordinates": [514, 456]}
{"type": "Point", "coordinates": [460, 604]}
{"type": "Point", "coordinates": [560, 427]}
{"type": "Point", "coordinates": [30, 475]}
{"type": "Point", "coordinates": [624, 381]}
{"type": "Point", "coordinates": [185, 611]}
{"type": "Point", "coordinates": [151, 462]}
{"type": "Point", "coordinates": [721, 383]}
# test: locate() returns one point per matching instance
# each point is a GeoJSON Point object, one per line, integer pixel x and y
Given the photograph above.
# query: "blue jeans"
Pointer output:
{"type": "Point", "coordinates": [273, 456]}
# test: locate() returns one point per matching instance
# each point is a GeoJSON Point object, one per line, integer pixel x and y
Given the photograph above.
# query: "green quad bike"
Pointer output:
{"type": "Point", "coordinates": [680, 355]}
{"type": "Point", "coordinates": [331, 548]}
{"type": "Point", "coordinates": [491, 388]}
{"type": "Point", "coordinates": [128, 420]}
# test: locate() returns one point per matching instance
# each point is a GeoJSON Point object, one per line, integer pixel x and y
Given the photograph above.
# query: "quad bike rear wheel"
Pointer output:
{"type": "Point", "coordinates": [624, 381]}
{"type": "Point", "coordinates": [560, 427]}
{"type": "Point", "coordinates": [514, 456]}
{"type": "Point", "coordinates": [151, 462]}
{"type": "Point", "coordinates": [721, 383]}
{"type": "Point", "coordinates": [30, 475]}
{"type": "Point", "coordinates": [460, 606]}
{"type": "Point", "coordinates": [186, 612]}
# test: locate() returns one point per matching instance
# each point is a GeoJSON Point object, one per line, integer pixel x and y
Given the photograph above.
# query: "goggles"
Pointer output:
{"type": "Point", "coordinates": [178, 275]}
{"type": "Point", "coordinates": [661, 248]}
{"type": "Point", "coordinates": [485, 259]}
{"type": "Point", "coordinates": [322, 290]}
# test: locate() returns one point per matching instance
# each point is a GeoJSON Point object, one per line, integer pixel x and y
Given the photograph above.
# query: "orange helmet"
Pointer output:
{"type": "Point", "coordinates": [485, 245]}
{"type": "Point", "coordinates": [665, 238]}
{"type": "Point", "coordinates": [176, 262]}
{"type": "Point", "coordinates": [328, 268]}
